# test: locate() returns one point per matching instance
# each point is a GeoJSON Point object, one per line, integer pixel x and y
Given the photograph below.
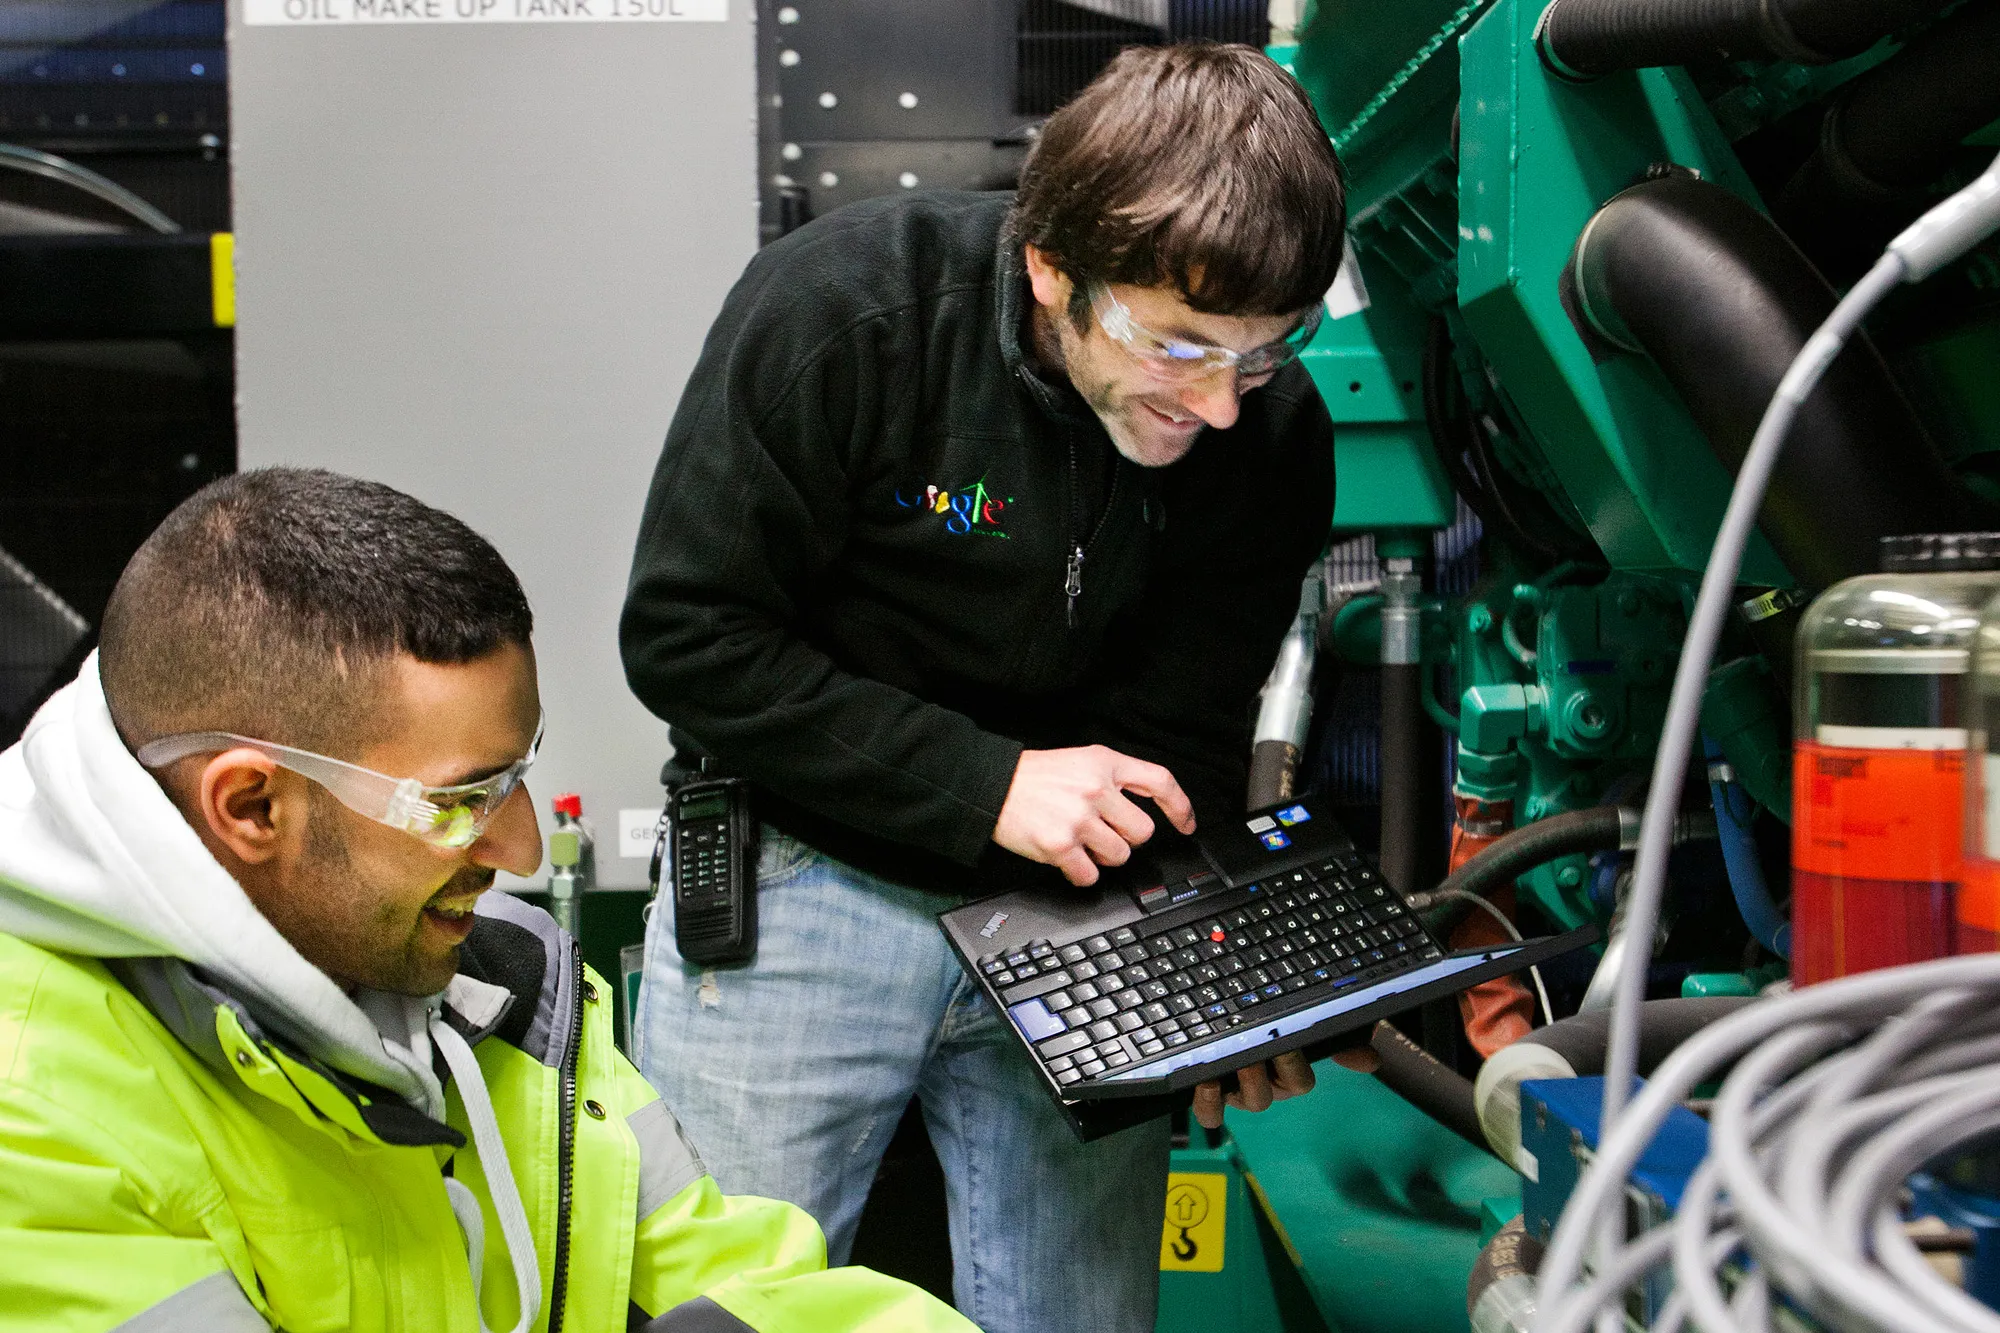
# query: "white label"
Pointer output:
{"type": "Point", "coordinates": [636, 831]}
{"type": "Point", "coordinates": [1892, 738]}
{"type": "Point", "coordinates": [1989, 776]}
{"type": "Point", "coordinates": [1348, 295]}
{"type": "Point", "coordinates": [391, 12]}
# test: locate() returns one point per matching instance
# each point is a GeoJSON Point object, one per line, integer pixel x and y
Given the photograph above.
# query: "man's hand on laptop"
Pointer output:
{"type": "Point", "coordinates": [1289, 1075]}
{"type": "Point", "coordinates": [1068, 809]}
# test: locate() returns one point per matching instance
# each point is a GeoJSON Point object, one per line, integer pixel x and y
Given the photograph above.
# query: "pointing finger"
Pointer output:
{"type": "Point", "coordinates": [1152, 781]}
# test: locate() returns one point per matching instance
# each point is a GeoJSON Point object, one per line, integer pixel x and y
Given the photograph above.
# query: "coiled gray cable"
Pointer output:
{"type": "Point", "coordinates": [1837, 1093]}
{"type": "Point", "coordinates": [1786, 1044]}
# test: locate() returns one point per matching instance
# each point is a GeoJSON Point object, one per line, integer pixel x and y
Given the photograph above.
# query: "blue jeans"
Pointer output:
{"type": "Point", "coordinates": [791, 1074]}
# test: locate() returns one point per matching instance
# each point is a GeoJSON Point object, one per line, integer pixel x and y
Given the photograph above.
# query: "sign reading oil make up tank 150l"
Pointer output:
{"type": "Point", "coordinates": [388, 13]}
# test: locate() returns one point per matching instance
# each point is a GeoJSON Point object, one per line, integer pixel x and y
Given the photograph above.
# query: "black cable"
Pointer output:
{"type": "Point", "coordinates": [1482, 494]}
{"type": "Point", "coordinates": [1663, 1025]}
{"type": "Point", "coordinates": [1420, 1079]}
{"type": "Point", "coordinates": [1583, 39]}
{"type": "Point", "coordinates": [1597, 829]}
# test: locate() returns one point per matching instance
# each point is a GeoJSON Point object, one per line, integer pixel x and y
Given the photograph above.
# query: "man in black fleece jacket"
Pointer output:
{"type": "Point", "coordinates": [981, 515]}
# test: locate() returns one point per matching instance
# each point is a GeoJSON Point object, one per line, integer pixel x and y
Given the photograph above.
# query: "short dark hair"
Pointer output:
{"type": "Point", "coordinates": [269, 602]}
{"type": "Point", "coordinates": [1199, 165]}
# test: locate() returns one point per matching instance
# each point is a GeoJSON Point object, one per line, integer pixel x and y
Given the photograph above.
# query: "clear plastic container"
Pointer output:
{"type": "Point", "coordinates": [1878, 763]}
{"type": "Point", "coordinates": [1978, 909]}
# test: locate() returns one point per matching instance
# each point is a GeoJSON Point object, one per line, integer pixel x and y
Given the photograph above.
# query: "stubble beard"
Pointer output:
{"type": "Point", "coordinates": [1124, 420]}
{"type": "Point", "coordinates": [360, 944]}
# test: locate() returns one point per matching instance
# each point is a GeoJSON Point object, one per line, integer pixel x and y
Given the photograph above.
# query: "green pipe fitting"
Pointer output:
{"type": "Point", "coordinates": [1705, 985]}
{"type": "Point", "coordinates": [1743, 711]}
{"type": "Point", "coordinates": [1492, 717]}
{"type": "Point", "coordinates": [1487, 777]}
{"type": "Point", "coordinates": [1402, 544]}
{"type": "Point", "coordinates": [1357, 630]}
{"type": "Point", "coordinates": [1445, 719]}
{"type": "Point", "coordinates": [1491, 720]}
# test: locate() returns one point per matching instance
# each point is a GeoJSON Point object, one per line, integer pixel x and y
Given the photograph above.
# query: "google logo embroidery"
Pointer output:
{"type": "Point", "coordinates": [968, 510]}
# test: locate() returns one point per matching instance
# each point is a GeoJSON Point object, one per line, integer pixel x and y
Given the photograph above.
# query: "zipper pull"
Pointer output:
{"type": "Point", "coordinates": [1073, 582]}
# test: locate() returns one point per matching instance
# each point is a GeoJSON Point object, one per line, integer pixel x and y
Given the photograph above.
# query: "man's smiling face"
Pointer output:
{"type": "Point", "coordinates": [374, 906]}
{"type": "Point", "coordinates": [1151, 421]}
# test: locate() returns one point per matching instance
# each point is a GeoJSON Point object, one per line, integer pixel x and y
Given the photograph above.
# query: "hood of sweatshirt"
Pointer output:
{"type": "Point", "coordinates": [96, 860]}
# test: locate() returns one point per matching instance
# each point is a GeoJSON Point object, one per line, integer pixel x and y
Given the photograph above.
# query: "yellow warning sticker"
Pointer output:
{"type": "Point", "coordinates": [1197, 1208]}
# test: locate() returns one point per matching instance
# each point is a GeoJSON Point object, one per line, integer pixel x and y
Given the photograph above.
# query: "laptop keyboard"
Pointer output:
{"type": "Point", "coordinates": [1096, 1005]}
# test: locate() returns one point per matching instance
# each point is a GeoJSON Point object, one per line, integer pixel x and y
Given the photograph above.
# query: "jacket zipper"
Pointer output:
{"type": "Point", "coordinates": [566, 1145]}
{"type": "Point", "coordinates": [1073, 569]}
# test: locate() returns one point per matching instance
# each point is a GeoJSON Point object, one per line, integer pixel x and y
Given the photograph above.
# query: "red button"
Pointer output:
{"type": "Point", "coordinates": [1217, 935]}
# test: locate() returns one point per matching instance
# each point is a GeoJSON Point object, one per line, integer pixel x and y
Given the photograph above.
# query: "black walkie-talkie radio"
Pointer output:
{"type": "Point", "coordinates": [714, 853]}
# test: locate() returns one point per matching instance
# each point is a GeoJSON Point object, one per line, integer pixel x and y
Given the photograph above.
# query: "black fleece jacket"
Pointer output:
{"type": "Point", "coordinates": [850, 579]}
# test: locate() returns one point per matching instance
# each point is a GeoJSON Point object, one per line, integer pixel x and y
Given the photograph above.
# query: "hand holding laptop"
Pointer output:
{"type": "Point", "coordinates": [1288, 1075]}
{"type": "Point", "coordinates": [1068, 808]}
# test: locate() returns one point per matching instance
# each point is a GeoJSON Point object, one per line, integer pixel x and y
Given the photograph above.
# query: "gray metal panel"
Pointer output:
{"type": "Point", "coordinates": [476, 261]}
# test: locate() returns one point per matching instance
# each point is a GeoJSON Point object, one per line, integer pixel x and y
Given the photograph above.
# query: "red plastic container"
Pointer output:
{"type": "Point", "coordinates": [1878, 765]}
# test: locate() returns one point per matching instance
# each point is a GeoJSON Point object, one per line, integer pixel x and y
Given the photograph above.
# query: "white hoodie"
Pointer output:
{"type": "Point", "coordinates": [96, 861]}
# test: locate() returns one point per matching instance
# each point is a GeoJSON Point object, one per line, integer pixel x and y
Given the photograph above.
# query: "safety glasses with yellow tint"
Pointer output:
{"type": "Point", "coordinates": [447, 817]}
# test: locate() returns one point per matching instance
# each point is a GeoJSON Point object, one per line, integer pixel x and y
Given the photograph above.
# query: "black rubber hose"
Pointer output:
{"type": "Point", "coordinates": [1412, 802]}
{"type": "Point", "coordinates": [1663, 1025]}
{"type": "Point", "coordinates": [1583, 39]}
{"type": "Point", "coordinates": [1597, 829]}
{"type": "Point", "coordinates": [1722, 301]}
{"type": "Point", "coordinates": [1462, 448]}
{"type": "Point", "coordinates": [1273, 771]}
{"type": "Point", "coordinates": [1442, 423]}
{"type": "Point", "coordinates": [1512, 1256]}
{"type": "Point", "coordinates": [1896, 127]}
{"type": "Point", "coordinates": [1439, 1092]}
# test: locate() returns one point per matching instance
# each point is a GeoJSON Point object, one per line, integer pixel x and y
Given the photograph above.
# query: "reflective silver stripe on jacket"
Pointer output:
{"type": "Point", "coordinates": [700, 1315]}
{"type": "Point", "coordinates": [668, 1163]}
{"type": "Point", "coordinates": [216, 1304]}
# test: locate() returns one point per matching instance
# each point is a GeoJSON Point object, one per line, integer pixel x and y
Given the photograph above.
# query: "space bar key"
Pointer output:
{"type": "Point", "coordinates": [1029, 990]}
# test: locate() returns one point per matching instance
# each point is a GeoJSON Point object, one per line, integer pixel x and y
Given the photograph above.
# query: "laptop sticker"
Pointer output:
{"type": "Point", "coordinates": [1295, 814]}
{"type": "Point", "coordinates": [1260, 824]}
{"type": "Point", "coordinates": [1276, 840]}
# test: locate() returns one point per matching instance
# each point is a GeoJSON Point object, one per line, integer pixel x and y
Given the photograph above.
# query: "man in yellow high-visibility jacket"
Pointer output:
{"type": "Point", "coordinates": [270, 1056]}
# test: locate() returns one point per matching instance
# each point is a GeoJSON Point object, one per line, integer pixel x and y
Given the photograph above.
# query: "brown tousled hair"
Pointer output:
{"type": "Point", "coordinates": [1200, 166]}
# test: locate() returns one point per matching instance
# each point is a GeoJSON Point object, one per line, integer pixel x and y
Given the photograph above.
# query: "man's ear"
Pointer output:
{"type": "Point", "coordinates": [240, 801]}
{"type": "Point", "coordinates": [1049, 283]}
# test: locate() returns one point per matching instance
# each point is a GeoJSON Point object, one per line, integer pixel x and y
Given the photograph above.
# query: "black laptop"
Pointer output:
{"type": "Point", "coordinates": [1203, 955]}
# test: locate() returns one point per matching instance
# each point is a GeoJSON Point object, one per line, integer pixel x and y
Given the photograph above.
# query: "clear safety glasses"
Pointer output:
{"type": "Point", "coordinates": [1181, 361]}
{"type": "Point", "coordinates": [446, 817]}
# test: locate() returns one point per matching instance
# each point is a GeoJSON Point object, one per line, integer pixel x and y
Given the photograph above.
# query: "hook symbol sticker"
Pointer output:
{"type": "Point", "coordinates": [1192, 1237]}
